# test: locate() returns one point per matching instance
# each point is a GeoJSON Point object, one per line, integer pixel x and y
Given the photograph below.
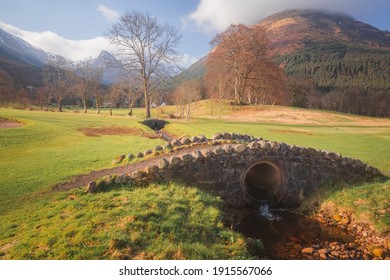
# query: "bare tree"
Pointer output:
{"type": "Point", "coordinates": [219, 88]}
{"type": "Point", "coordinates": [187, 93]}
{"type": "Point", "coordinates": [240, 56]}
{"type": "Point", "coordinates": [133, 93]}
{"type": "Point", "coordinates": [58, 80]}
{"type": "Point", "coordinates": [146, 47]}
{"type": "Point", "coordinates": [22, 97]}
{"type": "Point", "coordinates": [95, 87]}
{"type": "Point", "coordinates": [7, 88]}
{"type": "Point", "coordinates": [41, 97]}
{"type": "Point", "coordinates": [114, 95]}
{"type": "Point", "coordinates": [82, 87]}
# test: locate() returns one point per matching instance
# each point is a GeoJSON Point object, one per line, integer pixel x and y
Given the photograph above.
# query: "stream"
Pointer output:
{"type": "Point", "coordinates": [285, 233]}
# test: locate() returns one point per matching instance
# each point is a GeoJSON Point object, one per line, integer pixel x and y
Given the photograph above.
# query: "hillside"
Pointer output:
{"type": "Point", "coordinates": [61, 223]}
{"type": "Point", "coordinates": [334, 51]}
{"type": "Point", "coordinates": [23, 62]}
{"type": "Point", "coordinates": [290, 30]}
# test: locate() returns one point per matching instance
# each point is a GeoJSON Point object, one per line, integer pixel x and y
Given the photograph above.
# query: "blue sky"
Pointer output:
{"type": "Point", "coordinates": [75, 28]}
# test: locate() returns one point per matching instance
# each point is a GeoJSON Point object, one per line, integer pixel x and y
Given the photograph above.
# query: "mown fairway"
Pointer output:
{"type": "Point", "coordinates": [51, 148]}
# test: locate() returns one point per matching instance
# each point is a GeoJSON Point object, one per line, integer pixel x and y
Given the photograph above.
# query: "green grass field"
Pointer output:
{"type": "Point", "coordinates": [370, 144]}
{"type": "Point", "coordinates": [50, 148]}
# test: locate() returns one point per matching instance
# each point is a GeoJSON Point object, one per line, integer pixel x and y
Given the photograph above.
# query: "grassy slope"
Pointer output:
{"type": "Point", "coordinates": [357, 142]}
{"type": "Point", "coordinates": [359, 137]}
{"type": "Point", "coordinates": [50, 149]}
{"type": "Point", "coordinates": [158, 222]}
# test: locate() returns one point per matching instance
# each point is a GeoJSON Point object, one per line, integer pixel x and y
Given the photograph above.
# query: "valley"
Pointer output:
{"type": "Point", "coordinates": [275, 144]}
{"type": "Point", "coordinates": [31, 167]}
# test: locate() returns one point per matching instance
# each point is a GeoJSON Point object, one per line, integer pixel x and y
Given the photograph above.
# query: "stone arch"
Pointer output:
{"type": "Point", "coordinates": [263, 180]}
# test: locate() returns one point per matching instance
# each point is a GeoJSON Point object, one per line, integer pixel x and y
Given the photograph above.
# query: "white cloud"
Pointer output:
{"type": "Point", "coordinates": [54, 43]}
{"type": "Point", "coordinates": [216, 15]}
{"type": "Point", "coordinates": [109, 14]}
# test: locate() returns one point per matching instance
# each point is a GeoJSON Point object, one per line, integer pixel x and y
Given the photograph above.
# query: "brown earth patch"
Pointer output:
{"type": "Point", "coordinates": [116, 130]}
{"type": "Point", "coordinates": [292, 131]}
{"type": "Point", "coordinates": [8, 123]}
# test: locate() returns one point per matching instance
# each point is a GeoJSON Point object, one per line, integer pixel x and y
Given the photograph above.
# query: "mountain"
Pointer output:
{"type": "Point", "coordinates": [23, 62]}
{"type": "Point", "coordinates": [16, 49]}
{"type": "Point", "coordinates": [195, 72]}
{"type": "Point", "coordinates": [112, 68]}
{"type": "Point", "coordinates": [290, 30]}
{"type": "Point", "coordinates": [333, 50]}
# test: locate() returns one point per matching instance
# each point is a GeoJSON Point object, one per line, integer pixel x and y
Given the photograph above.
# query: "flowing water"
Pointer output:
{"type": "Point", "coordinates": [284, 233]}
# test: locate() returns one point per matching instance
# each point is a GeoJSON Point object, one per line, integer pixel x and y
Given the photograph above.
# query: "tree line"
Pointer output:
{"type": "Point", "coordinates": [63, 85]}
{"type": "Point", "coordinates": [353, 100]}
{"type": "Point", "coordinates": [146, 50]}
{"type": "Point", "coordinates": [327, 75]}
{"type": "Point", "coordinates": [340, 77]}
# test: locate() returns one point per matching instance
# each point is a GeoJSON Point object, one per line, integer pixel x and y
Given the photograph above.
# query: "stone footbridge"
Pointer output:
{"type": "Point", "coordinates": [244, 170]}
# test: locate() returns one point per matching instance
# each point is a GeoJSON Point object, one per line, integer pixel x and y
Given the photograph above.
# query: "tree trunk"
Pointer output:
{"type": "Point", "coordinates": [188, 115]}
{"type": "Point", "coordinates": [110, 109]}
{"type": "Point", "coordinates": [97, 105]}
{"type": "Point", "coordinates": [147, 102]}
{"type": "Point", "coordinates": [85, 105]}
{"type": "Point", "coordinates": [236, 94]}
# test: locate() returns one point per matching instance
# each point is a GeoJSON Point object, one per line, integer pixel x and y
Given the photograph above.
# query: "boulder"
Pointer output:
{"type": "Point", "coordinates": [185, 141]}
{"type": "Point", "coordinates": [158, 148]}
{"type": "Point", "coordinates": [92, 187]}
{"type": "Point", "coordinates": [187, 158]}
{"type": "Point", "coordinates": [140, 155]}
{"type": "Point", "coordinates": [173, 161]}
{"type": "Point", "coordinates": [168, 146]}
{"type": "Point", "coordinates": [253, 145]}
{"type": "Point", "coordinates": [163, 163]}
{"type": "Point", "coordinates": [217, 136]}
{"type": "Point", "coordinates": [308, 251]}
{"type": "Point", "coordinates": [202, 138]}
{"type": "Point", "coordinates": [194, 139]}
{"type": "Point", "coordinates": [239, 149]}
{"type": "Point", "coordinates": [130, 156]}
{"type": "Point", "coordinates": [228, 149]}
{"type": "Point", "coordinates": [377, 252]}
{"type": "Point", "coordinates": [219, 151]}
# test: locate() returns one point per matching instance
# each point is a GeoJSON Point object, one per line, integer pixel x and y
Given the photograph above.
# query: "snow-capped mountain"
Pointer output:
{"type": "Point", "coordinates": [112, 68]}
{"type": "Point", "coordinates": [14, 48]}
{"type": "Point", "coordinates": [17, 55]}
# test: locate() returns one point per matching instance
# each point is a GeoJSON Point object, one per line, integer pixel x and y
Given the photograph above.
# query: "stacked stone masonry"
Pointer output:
{"type": "Point", "coordinates": [225, 162]}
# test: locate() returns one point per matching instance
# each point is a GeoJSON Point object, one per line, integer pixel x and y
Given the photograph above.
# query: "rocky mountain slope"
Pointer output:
{"type": "Point", "coordinates": [333, 50]}
{"type": "Point", "coordinates": [23, 62]}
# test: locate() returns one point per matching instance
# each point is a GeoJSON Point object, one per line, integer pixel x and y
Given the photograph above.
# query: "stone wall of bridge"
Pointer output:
{"type": "Point", "coordinates": [246, 170]}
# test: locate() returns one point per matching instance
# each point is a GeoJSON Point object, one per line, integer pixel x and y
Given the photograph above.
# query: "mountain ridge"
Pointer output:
{"type": "Point", "coordinates": [23, 62]}
{"type": "Point", "coordinates": [332, 50]}
{"type": "Point", "coordinates": [288, 30]}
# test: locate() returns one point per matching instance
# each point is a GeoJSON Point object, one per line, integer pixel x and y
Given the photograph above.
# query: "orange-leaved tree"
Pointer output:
{"type": "Point", "coordinates": [240, 59]}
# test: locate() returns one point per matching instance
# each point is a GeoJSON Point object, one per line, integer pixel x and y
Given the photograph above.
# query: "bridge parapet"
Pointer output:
{"type": "Point", "coordinates": [247, 170]}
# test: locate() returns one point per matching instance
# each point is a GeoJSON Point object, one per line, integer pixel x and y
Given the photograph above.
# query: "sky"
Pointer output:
{"type": "Point", "coordinates": [76, 28]}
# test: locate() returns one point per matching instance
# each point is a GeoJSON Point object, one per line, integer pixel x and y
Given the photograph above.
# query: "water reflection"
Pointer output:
{"type": "Point", "coordinates": [284, 232]}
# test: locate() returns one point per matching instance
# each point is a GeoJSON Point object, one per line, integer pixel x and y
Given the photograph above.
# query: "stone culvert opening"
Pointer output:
{"type": "Point", "coordinates": [155, 124]}
{"type": "Point", "coordinates": [263, 181]}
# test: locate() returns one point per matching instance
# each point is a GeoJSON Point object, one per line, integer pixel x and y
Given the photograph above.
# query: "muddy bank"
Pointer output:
{"type": "Point", "coordinates": [289, 235]}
